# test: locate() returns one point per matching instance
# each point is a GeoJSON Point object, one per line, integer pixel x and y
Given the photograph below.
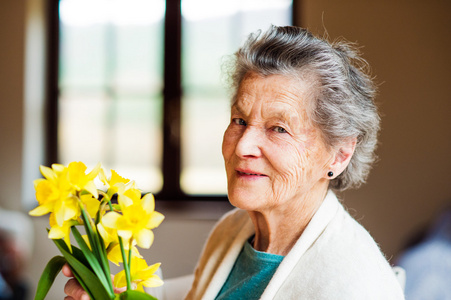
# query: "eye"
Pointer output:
{"type": "Point", "coordinates": [239, 121]}
{"type": "Point", "coordinates": [279, 129]}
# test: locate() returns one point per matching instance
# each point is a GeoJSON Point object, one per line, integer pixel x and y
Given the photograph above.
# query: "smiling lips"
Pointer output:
{"type": "Point", "coordinates": [242, 173]}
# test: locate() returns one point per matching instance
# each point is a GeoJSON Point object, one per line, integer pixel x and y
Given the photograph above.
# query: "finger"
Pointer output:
{"type": "Point", "coordinates": [73, 289]}
{"type": "Point", "coordinates": [116, 289]}
{"type": "Point", "coordinates": [119, 290]}
{"type": "Point", "coordinates": [68, 298]}
{"type": "Point", "coordinates": [67, 271]}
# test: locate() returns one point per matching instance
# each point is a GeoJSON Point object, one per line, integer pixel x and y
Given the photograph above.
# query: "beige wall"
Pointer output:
{"type": "Point", "coordinates": [406, 42]}
{"type": "Point", "coordinates": [12, 40]}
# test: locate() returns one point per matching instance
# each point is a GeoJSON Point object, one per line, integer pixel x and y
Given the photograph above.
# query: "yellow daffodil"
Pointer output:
{"type": "Point", "coordinates": [114, 253]}
{"type": "Point", "coordinates": [61, 232]}
{"type": "Point", "coordinates": [66, 209]}
{"type": "Point", "coordinates": [141, 275]}
{"type": "Point", "coordinates": [91, 204]}
{"type": "Point", "coordinates": [82, 181]}
{"type": "Point", "coordinates": [116, 183]}
{"type": "Point", "coordinates": [67, 192]}
{"type": "Point", "coordinates": [47, 194]}
{"type": "Point", "coordinates": [56, 193]}
{"type": "Point", "coordinates": [129, 196]}
{"type": "Point", "coordinates": [136, 221]}
{"type": "Point", "coordinates": [109, 235]}
{"type": "Point", "coordinates": [51, 190]}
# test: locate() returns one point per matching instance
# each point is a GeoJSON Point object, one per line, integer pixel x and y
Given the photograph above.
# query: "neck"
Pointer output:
{"type": "Point", "coordinates": [278, 229]}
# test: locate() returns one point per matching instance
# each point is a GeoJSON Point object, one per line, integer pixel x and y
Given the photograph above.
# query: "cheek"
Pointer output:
{"type": "Point", "coordinates": [297, 165]}
{"type": "Point", "coordinates": [289, 162]}
{"type": "Point", "coordinates": [228, 144]}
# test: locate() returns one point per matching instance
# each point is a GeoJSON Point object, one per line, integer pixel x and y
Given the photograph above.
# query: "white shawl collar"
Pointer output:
{"type": "Point", "coordinates": [322, 217]}
{"type": "Point", "coordinates": [316, 226]}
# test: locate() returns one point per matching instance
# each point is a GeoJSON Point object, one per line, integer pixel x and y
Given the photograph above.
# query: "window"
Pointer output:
{"type": "Point", "coordinates": [154, 115]}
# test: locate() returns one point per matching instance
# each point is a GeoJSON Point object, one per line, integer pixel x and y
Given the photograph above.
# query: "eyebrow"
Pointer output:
{"type": "Point", "coordinates": [282, 115]}
{"type": "Point", "coordinates": [237, 108]}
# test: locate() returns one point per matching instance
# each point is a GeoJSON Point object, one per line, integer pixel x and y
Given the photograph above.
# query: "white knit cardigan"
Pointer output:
{"type": "Point", "coordinates": [335, 258]}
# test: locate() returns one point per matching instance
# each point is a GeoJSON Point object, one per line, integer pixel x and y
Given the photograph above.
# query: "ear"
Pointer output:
{"type": "Point", "coordinates": [342, 157]}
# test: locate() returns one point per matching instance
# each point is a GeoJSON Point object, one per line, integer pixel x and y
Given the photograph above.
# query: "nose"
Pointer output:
{"type": "Point", "coordinates": [249, 144]}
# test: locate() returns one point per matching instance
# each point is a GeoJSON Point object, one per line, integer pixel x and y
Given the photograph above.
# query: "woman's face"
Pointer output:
{"type": "Point", "coordinates": [273, 154]}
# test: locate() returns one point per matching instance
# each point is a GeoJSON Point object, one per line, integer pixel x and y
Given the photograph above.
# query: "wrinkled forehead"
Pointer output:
{"type": "Point", "coordinates": [284, 95]}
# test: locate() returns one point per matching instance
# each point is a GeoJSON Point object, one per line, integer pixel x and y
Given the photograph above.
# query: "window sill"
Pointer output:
{"type": "Point", "coordinates": [193, 209]}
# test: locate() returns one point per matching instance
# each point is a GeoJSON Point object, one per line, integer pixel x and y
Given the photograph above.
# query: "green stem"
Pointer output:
{"type": "Point", "coordinates": [130, 255]}
{"type": "Point", "coordinates": [124, 257]}
{"type": "Point", "coordinates": [126, 264]}
{"type": "Point", "coordinates": [97, 245]}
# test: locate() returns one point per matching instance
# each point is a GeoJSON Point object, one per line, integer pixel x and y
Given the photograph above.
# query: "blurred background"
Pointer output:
{"type": "Point", "coordinates": [93, 81]}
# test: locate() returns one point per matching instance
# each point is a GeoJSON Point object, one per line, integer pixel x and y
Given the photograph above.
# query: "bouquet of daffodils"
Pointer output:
{"type": "Point", "coordinates": [113, 230]}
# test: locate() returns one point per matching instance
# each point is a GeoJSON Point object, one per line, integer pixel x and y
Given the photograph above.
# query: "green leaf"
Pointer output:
{"type": "Point", "coordinates": [91, 258]}
{"type": "Point", "coordinates": [135, 295]}
{"type": "Point", "coordinates": [77, 253]}
{"type": "Point", "coordinates": [48, 276]}
{"type": "Point", "coordinates": [98, 248]}
{"type": "Point", "coordinates": [88, 280]}
{"type": "Point", "coordinates": [105, 263]}
{"type": "Point", "coordinates": [91, 234]}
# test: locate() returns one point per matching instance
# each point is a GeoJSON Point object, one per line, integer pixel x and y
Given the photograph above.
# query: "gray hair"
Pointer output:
{"type": "Point", "coordinates": [343, 105]}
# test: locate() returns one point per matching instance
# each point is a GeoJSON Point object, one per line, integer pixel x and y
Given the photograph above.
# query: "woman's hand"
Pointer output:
{"type": "Point", "coordinates": [73, 289]}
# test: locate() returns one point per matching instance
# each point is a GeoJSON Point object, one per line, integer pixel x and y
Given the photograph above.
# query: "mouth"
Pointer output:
{"type": "Point", "coordinates": [249, 173]}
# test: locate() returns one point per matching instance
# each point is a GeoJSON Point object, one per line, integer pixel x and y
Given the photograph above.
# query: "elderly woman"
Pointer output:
{"type": "Point", "coordinates": [303, 125]}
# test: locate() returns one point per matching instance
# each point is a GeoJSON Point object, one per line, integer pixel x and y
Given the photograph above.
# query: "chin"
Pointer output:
{"type": "Point", "coordinates": [245, 202]}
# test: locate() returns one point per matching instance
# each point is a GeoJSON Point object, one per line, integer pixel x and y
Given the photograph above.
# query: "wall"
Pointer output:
{"type": "Point", "coordinates": [407, 44]}
{"type": "Point", "coordinates": [12, 41]}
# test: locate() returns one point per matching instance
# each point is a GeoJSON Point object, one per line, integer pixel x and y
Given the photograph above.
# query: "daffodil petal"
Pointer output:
{"type": "Point", "coordinates": [124, 200]}
{"type": "Point", "coordinates": [67, 240]}
{"type": "Point", "coordinates": [102, 177]}
{"type": "Point", "coordinates": [71, 209]}
{"type": "Point", "coordinates": [144, 238]}
{"type": "Point", "coordinates": [135, 253]}
{"type": "Point", "coordinates": [125, 234]}
{"type": "Point", "coordinates": [58, 168]}
{"type": "Point", "coordinates": [139, 286]}
{"type": "Point", "coordinates": [108, 235]}
{"type": "Point", "coordinates": [48, 173]}
{"type": "Point", "coordinates": [94, 172]}
{"type": "Point", "coordinates": [92, 189]}
{"type": "Point", "coordinates": [59, 213]}
{"type": "Point", "coordinates": [37, 181]}
{"type": "Point", "coordinates": [148, 202]}
{"type": "Point", "coordinates": [155, 220]}
{"type": "Point", "coordinates": [110, 219]}
{"type": "Point", "coordinates": [40, 211]}
{"type": "Point", "coordinates": [116, 178]}
{"type": "Point", "coordinates": [148, 272]}
{"type": "Point", "coordinates": [91, 203]}
{"type": "Point", "coordinates": [120, 280]}
{"type": "Point", "coordinates": [138, 266]}
{"type": "Point", "coordinates": [130, 185]}
{"type": "Point", "coordinates": [115, 254]}
{"type": "Point", "coordinates": [86, 239]}
{"type": "Point", "coordinates": [153, 268]}
{"type": "Point", "coordinates": [56, 232]}
{"type": "Point", "coordinates": [153, 281]}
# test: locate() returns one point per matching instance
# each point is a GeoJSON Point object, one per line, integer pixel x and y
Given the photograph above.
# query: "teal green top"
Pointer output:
{"type": "Point", "coordinates": [250, 274]}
